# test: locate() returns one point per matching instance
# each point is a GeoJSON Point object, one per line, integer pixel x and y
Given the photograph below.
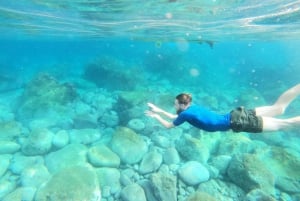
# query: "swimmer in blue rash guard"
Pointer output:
{"type": "Point", "coordinates": [256, 120]}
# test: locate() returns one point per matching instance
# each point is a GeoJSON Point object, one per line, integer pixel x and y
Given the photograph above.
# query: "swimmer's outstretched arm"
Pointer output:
{"type": "Point", "coordinates": [162, 121]}
{"type": "Point", "coordinates": [155, 112]}
{"type": "Point", "coordinates": [155, 109]}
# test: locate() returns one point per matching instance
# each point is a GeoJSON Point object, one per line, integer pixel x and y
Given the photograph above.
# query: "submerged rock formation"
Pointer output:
{"type": "Point", "coordinates": [108, 72]}
{"type": "Point", "coordinates": [73, 183]}
{"type": "Point", "coordinates": [248, 172]}
{"type": "Point", "coordinates": [45, 93]}
{"type": "Point", "coordinates": [128, 145]}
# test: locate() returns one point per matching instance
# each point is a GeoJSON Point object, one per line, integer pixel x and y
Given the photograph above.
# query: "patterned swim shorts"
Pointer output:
{"type": "Point", "coordinates": [242, 120]}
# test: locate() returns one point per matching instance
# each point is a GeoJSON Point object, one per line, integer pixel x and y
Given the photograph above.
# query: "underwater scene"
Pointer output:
{"type": "Point", "coordinates": [89, 108]}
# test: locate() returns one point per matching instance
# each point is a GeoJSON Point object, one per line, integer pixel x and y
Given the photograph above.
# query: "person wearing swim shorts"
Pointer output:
{"type": "Point", "coordinates": [240, 119]}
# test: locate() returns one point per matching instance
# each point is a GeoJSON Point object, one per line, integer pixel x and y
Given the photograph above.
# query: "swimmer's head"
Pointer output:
{"type": "Point", "coordinates": [182, 102]}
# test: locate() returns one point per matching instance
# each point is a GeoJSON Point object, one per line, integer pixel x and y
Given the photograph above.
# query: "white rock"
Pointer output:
{"type": "Point", "coordinates": [221, 162]}
{"type": "Point", "coordinates": [125, 180]}
{"type": "Point", "coordinates": [8, 147]}
{"type": "Point", "coordinates": [60, 139]}
{"type": "Point", "coordinates": [171, 156]}
{"type": "Point", "coordinates": [192, 149]}
{"type": "Point", "coordinates": [19, 162]}
{"type": "Point", "coordinates": [136, 124]}
{"type": "Point", "coordinates": [23, 193]}
{"type": "Point", "coordinates": [71, 155]}
{"type": "Point", "coordinates": [109, 177]}
{"type": "Point", "coordinates": [101, 156]}
{"type": "Point", "coordinates": [84, 136]}
{"type": "Point", "coordinates": [128, 145]}
{"type": "Point", "coordinates": [129, 172]}
{"type": "Point", "coordinates": [6, 187]}
{"type": "Point", "coordinates": [34, 176]}
{"type": "Point", "coordinates": [4, 163]}
{"type": "Point", "coordinates": [161, 141]}
{"type": "Point", "coordinates": [193, 173]}
{"type": "Point", "coordinates": [133, 192]}
{"type": "Point", "coordinates": [39, 142]}
{"type": "Point", "coordinates": [151, 162]}
{"type": "Point", "coordinates": [42, 123]}
{"type": "Point", "coordinates": [71, 183]}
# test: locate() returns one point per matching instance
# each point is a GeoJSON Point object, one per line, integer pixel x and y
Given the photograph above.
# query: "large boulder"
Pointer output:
{"type": "Point", "coordinates": [8, 147]}
{"type": "Point", "coordinates": [4, 163]}
{"type": "Point", "coordinates": [200, 196]}
{"type": "Point", "coordinates": [151, 162]}
{"type": "Point", "coordinates": [222, 190]}
{"type": "Point", "coordinates": [100, 155]}
{"type": "Point", "coordinates": [193, 173]}
{"type": "Point", "coordinates": [221, 162]}
{"type": "Point", "coordinates": [73, 183]}
{"type": "Point", "coordinates": [85, 115]}
{"type": "Point", "coordinates": [39, 142]}
{"type": "Point", "coordinates": [19, 162]}
{"type": "Point", "coordinates": [21, 193]}
{"type": "Point", "coordinates": [10, 130]}
{"type": "Point", "coordinates": [71, 155]}
{"type": "Point", "coordinates": [128, 145]}
{"type": "Point", "coordinates": [192, 149]}
{"type": "Point", "coordinates": [284, 165]}
{"type": "Point", "coordinates": [249, 172]}
{"type": "Point", "coordinates": [129, 105]}
{"type": "Point", "coordinates": [171, 156]}
{"type": "Point", "coordinates": [45, 93]}
{"type": "Point", "coordinates": [133, 192]}
{"type": "Point", "coordinates": [238, 143]}
{"type": "Point", "coordinates": [34, 176]}
{"type": "Point", "coordinates": [6, 187]}
{"type": "Point", "coordinates": [136, 124]}
{"type": "Point", "coordinates": [60, 139]}
{"type": "Point", "coordinates": [164, 186]}
{"type": "Point", "coordinates": [108, 72]}
{"type": "Point", "coordinates": [84, 136]}
{"type": "Point", "coordinates": [109, 178]}
{"type": "Point", "coordinates": [258, 194]}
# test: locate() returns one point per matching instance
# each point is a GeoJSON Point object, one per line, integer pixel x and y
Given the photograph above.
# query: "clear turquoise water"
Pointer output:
{"type": "Point", "coordinates": [227, 53]}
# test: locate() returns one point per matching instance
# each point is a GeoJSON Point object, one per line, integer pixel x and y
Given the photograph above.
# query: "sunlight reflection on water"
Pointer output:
{"type": "Point", "coordinates": [152, 20]}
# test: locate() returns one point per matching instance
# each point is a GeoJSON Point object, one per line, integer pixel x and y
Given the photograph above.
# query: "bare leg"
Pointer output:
{"type": "Point", "coordinates": [281, 104]}
{"type": "Point", "coordinates": [273, 124]}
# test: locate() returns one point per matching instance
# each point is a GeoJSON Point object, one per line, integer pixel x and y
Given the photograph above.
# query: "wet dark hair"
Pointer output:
{"type": "Point", "coordinates": [184, 98]}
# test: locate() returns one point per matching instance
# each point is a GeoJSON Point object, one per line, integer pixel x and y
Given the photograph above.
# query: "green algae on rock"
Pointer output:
{"type": "Point", "coordinates": [128, 145]}
{"type": "Point", "coordinates": [285, 165]}
{"type": "Point", "coordinates": [200, 196]}
{"type": "Point", "coordinates": [69, 184]}
{"type": "Point", "coordinates": [45, 93]}
{"type": "Point", "coordinates": [249, 172]}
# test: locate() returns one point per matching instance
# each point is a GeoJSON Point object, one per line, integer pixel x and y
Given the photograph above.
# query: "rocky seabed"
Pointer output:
{"type": "Point", "coordinates": [80, 155]}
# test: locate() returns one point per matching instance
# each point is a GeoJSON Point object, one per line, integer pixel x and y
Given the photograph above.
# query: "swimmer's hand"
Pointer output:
{"type": "Point", "coordinates": [154, 108]}
{"type": "Point", "coordinates": [150, 114]}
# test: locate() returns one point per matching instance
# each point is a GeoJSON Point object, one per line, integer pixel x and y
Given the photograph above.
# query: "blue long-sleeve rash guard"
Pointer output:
{"type": "Point", "coordinates": [204, 119]}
